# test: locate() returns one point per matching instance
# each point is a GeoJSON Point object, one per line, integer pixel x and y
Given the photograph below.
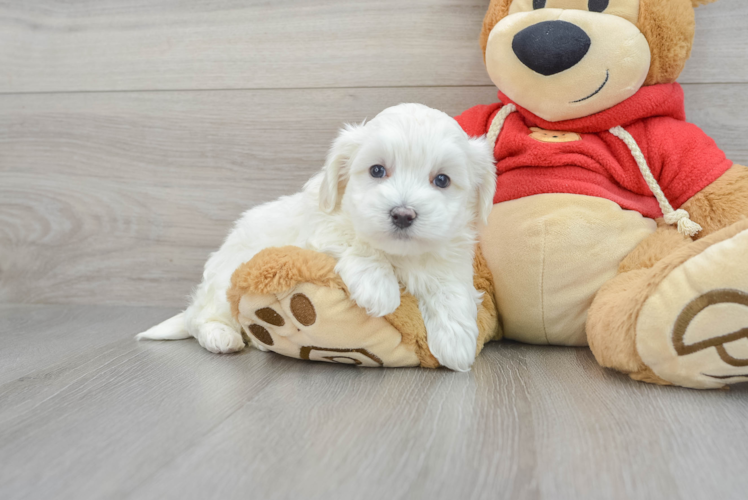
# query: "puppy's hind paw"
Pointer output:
{"type": "Point", "coordinates": [220, 338]}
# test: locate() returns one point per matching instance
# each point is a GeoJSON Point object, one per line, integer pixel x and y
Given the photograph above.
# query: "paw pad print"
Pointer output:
{"type": "Point", "coordinates": [303, 310]}
{"type": "Point", "coordinates": [290, 301]}
{"type": "Point", "coordinates": [267, 319]}
{"type": "Point", "coordinates": [292, 323]}
{"type": "Point", "coordinates": [268, 315]}
{"type": "Point", "coordinates": [262, 334]}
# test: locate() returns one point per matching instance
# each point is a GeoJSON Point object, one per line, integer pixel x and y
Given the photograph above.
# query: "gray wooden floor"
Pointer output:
{"type": "Point", "coordinates": [132, 134]}
{"type": "Point", "coordinates": [85, 412]}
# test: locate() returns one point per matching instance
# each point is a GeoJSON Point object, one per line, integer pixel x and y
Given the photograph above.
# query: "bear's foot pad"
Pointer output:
{"type": "Point", "coordinates": [289, 301]}
{"type": "Point", "coordinates": [693, 330]}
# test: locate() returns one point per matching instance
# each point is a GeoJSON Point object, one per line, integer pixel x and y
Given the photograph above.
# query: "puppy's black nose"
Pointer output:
{"type": "Point", "coordinates": [551, 47]}
{"type": "Point", "coordinates": [403, 217]}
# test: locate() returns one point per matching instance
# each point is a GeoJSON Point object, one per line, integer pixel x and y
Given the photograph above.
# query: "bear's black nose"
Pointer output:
{"type": "Point", "coordinates": [403, 217]}
{"type": "Point", "coordinates": [551, 47]}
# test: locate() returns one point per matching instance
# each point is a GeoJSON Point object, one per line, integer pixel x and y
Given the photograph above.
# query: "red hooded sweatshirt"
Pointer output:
{"type": "Point", "coordinates": [682, 158]}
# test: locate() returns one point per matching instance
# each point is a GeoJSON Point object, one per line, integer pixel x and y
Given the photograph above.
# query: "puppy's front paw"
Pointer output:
{"type": "Point", "coordinates": [220, 338]}
{"type": "Point", "coordinates": [372, 283]}
{"type": "Point", "coordinates": [378, 293]}
{"type": "Point", "coordinates": [453, 345]}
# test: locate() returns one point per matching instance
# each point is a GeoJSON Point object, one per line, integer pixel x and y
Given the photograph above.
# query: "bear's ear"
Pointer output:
{"type": "Point", "coordinates": [696, 3]}
{"type": "Point", "coordinates": [497, 10]}
{"type": "Point", "coordinates": [668, 26]}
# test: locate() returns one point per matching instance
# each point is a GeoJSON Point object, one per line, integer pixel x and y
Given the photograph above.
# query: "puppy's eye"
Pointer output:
{"type": "Point", "coordinates": [442, 181]}
{"type": "Point", "coordinates": [378, 171]}
{"type": "Point", "coordinates": [538, 4]}
{"type": "Point", "coordinates": [598, 5]}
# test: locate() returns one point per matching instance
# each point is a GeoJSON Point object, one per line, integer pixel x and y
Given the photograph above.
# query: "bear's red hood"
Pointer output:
{"type": "Point", "coordinates": [534, 156]}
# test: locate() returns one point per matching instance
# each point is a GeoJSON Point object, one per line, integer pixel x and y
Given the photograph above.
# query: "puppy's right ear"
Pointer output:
{"type": "Point", "coordinates": [336, 168]}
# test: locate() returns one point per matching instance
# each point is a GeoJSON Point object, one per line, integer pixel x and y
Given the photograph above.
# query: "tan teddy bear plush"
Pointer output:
{"type": "Point", "coordinates": [616, 223]}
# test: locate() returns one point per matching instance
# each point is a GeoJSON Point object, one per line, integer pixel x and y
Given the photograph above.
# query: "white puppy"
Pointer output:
{"type": "Point", "coordinates": [398, 201]}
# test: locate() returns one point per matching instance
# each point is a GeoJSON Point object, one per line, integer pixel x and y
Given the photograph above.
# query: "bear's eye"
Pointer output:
{"type": "Point", "coordinates": [598, 5]}
{"type": "Point", "coordinates": [538, 4]}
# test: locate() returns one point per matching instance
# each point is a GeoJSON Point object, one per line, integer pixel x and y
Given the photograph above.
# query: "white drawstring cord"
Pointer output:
{"type": "Point", "coordinates": [498, 123]}
{"type": "Point", "coordinates": [680, 217]}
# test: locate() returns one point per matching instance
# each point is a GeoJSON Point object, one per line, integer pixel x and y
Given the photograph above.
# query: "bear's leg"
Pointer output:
{"type": "Point", "coordinates": [677, 313]}
{"type": "Point", "coordinates": [611, 320]}
{"type": "Point", "coordinates": [721, 209]}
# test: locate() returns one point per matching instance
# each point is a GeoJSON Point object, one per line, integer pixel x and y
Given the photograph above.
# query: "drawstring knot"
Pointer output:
{"type": "Point", "coordinates": [683, 220]}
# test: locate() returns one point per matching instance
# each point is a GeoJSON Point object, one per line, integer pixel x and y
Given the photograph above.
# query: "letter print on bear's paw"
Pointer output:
{"type": "Point", "coordinates": [723, 344]}
{"type": "Point", "coordinates": [693, 329]}
{"type": "Point", "coordinates": [357, 357]}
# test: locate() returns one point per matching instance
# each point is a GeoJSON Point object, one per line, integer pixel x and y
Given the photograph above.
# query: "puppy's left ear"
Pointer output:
{"type": "Point", "coordinates": [336, 168]}
{"type": "Point", "coordinates": [485, 171]}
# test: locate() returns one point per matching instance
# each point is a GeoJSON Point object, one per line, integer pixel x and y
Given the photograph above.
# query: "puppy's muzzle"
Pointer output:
{"type": "Point", "coordinates": [403, 217]}
{"type": "Point", "coordinates": [551, 47]}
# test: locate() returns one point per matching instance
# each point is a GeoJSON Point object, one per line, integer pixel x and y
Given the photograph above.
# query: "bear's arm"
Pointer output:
{"type": "Point", "coordinates": [688, 160]}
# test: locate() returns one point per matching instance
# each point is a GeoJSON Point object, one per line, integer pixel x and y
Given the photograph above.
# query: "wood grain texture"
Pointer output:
{"type": "Point", "coordinates": [34, 336]}
{"type": "Point", "coordinates": [716, 57]}
{"type": "Point", "coordinates": [105, 45]}
{"type": "Point", "coordinates": [111, 197]}
{"type": "Point", "coordinates": [118, 198]}
{"type": "Point", "coordinates": [169, 44]}
{"type": "Point", "coordinates": [122, 419]}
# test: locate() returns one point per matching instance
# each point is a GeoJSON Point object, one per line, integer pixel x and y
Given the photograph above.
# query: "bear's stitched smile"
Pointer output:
{"type": "Point", "coordinates": [607, 77]}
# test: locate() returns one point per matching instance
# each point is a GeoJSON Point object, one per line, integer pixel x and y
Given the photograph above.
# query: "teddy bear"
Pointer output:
{"type": "Point", "coordinates": [616, 224]}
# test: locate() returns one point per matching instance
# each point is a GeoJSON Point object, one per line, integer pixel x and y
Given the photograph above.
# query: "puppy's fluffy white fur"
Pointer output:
{"type": "Point", "coordinates": [346, 212]}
